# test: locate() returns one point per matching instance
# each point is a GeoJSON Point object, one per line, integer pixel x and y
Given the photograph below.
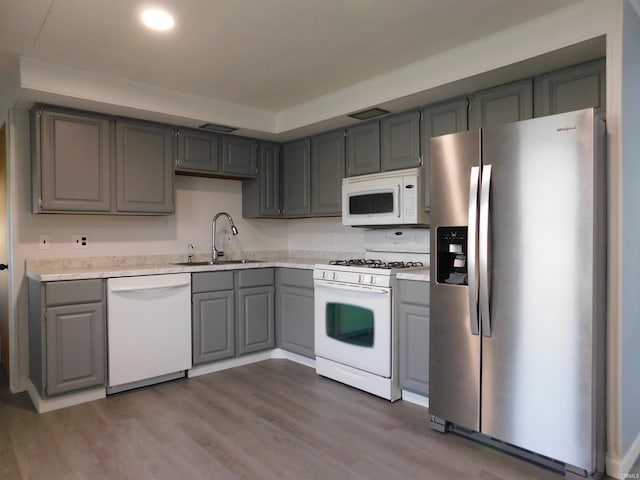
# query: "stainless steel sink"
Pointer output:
{"type": "Point", "coordinates": [221, 262]}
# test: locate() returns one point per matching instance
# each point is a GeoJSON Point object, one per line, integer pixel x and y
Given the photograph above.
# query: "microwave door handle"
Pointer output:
{"type": "Point", "coordinates": [472, 249]}
{"type": "Point", "coordinates": [399, 200]}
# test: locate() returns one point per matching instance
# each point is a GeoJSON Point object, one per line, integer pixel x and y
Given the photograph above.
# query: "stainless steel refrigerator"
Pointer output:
{"type": "Point", "coordinates": [518, 270]}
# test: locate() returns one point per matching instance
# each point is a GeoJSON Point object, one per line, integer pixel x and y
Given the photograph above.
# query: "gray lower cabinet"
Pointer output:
{"type": "Point", "coordinates": [573, 88]}
{"type": "Point", "coordinates": [144, 167]}
{"type": "Point", "coordinates": [502, 104]}
{"type": "Point", "coordinates": [363, 149]}
{"type": "Point", "coordinates": [239, 156]}
{"type": "Point", "coordinates": [327, 172]}
{"type": "Point", "coordinates": [256, 309]}
{"type": "Point", "coordinates": [412, 310]}
{"type": "Point", "coordinates": [295, 329]}
{"type": "Point", "coordinates": [400, 141]}
{"type": "Point", "coordinates": [213, 316]}
{"type": "Point", "coordinates": [296, 178]}
{"type": "Point", "coordinates": [72, 161]}
{"type": "Point", "coordinates": [440, 119]}
{"type": "Point", "coordinates": [232, 313]}
{"type": "Point", "coordinates": [67, 336]}
{"type": "Point", "coordinates": [198, 151]}
{"type": "Point", "coordinates": [261, 195]}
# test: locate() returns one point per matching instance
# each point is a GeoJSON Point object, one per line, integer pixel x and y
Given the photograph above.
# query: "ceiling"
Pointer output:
{"type": "Point", "coordinates": [265, 54]}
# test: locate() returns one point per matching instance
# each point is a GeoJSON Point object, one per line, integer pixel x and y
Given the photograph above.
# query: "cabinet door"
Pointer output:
{"type": "Point", "coordinates": [413, 330]}
{"type": "Point", "coordinates": [239, 156]}
{"type": "Point", "coordinates": [296, 178]}
{"type": "Point", "coordinates": [144, 167]}
{"type": "Point", "coordinates": [73, 158]}
{"type": "Point", "coordinates": [573, 88]}
{"type": "Point", "coordinates": [213, 326]}
{"type": "Point", "coordinates": [440, 119]}
{"type": "Point", "coordinates": [261, 196]}
{"type": "Point", "coordinates": [75, 347]}
{"type": "Point", "coordinates": [198, 151]}
{"type": "Point", "coordinates": [295, 320]}
{"type": "Point", "coordinates": [327, 172]}
{"type": "Point", "coordinates": [256, 329]}
{"type": "Point", "coordinates": [363, 149]}
{"type": "Point", "coordinates": [400, 141]}
{"type": "Point", "coordinates": [503, 104]}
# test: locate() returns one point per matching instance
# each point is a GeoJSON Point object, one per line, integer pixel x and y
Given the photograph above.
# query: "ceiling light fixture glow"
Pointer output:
{"type": "Point", "coordinates": [157, 19]}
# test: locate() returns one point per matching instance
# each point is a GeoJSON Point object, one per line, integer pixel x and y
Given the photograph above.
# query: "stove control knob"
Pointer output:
{"type": "Point", "coordinates": [335, 276]}
{"type": "Point", "coordinates": [372, 280]}
{"type": "Point", "coordinates": [359, 278]}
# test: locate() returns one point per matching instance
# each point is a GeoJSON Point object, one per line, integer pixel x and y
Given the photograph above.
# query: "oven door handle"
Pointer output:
{"type": "Point", "coordinates": [350, 287]}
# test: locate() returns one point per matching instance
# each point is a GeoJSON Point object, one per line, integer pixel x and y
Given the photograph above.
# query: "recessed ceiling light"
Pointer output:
{"type": "Point", "coordinates": [157, 19]}
{"type": "Point", "coordinates": [367, 114]}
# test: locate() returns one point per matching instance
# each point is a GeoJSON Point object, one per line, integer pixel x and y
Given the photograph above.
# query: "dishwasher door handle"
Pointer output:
{"type": "Point", "coordinates": [158, 288]}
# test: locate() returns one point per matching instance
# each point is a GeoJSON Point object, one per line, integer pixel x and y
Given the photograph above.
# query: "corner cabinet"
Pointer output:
{"type": "Point", "coordinates": [296, 178]}
{"type": "Point", "coordinates": [144, 167]}
{"type": "Point", "coordinates": [89, 163]}
{"type": "Point", "coordinates": [261, 195]}
{"type": "Point", "coordinates": [412, 308]}
{"type": "Point", "coordinates": [67, 336]}
{"type": "Point", "coordinates": [295, 330]}
{"type": "Point", "coordinates": [327, 172]}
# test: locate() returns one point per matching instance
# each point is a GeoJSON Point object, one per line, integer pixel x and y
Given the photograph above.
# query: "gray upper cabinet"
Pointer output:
{"type": "Point", "coordinates": [327, 172]}
{"type": "Point", "coordinates": [363, 149]}
{"type": "Point", "coordinates": [413, 331]}
{"type": "Point", "coordinates": [72, 161]}
{"type": "Point", "coordinates": [440, 119]}
{"type": "Point", "coordinates": [67, 336]}
{"type": "Point", "coordinates": [261, 195]}
{"type": "Point", "coordinates": [573, 88]}
{"type": "Point", "coordinates": [239, 156]}
{"type": "Point", "coordinates": [198, 151]}
{"type": "Point", "coordinates": [400, 141]}
{"type": "Point", "coordinates": [503, 104]}
{"type": "Point", "coordinates": [144, 167]}
{"type": "Point", "coordinates": [295, 329]}
{"type": "Point", "coordinates": [213, 316]}
{"type": "Point", "coordinates": [296, 178]}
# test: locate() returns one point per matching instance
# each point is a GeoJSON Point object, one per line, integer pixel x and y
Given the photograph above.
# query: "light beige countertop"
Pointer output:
{"type": "Point", "coordinates": [420, 274]}
{"type": "Point", "coordinates": [107, 267]}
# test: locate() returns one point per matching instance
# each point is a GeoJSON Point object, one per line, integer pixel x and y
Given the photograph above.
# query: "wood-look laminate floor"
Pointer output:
{"type": "Point", "coordinates": [269, 420]}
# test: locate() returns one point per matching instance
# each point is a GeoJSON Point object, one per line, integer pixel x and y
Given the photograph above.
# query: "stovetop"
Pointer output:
{"type": "Point", "coordinates": [375, 263]}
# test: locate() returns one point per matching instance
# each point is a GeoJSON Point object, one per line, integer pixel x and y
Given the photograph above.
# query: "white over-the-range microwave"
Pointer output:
{"type": "Point", "coordinates": [388, 198]}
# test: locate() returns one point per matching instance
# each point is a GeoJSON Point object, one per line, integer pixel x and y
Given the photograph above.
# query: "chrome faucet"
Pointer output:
{"type": "Point", "coordinates": [215, 253]}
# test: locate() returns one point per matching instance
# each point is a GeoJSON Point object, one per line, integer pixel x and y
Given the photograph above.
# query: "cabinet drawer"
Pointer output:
{"type": "Point", "coordinates": [212, 281]}
{"type": "Point", "coordinates": [296, 277]}
{"type": "Point", "coordinates": [255, 277]}
{"type": "Point", "coordinates": [74, 291]}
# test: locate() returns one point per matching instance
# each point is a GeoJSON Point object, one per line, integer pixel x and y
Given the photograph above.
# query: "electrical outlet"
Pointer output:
{"type": "Point", "coordinates": [44, 242]}
{"type": "Point", "coordinates": [79, 241]}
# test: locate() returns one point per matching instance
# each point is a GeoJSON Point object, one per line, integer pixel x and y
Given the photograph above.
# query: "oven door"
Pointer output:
{"type": "Point", "coordinates": [353, 325]}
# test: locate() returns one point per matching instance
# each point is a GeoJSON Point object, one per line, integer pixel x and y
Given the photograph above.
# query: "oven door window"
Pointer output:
{"type": "Point", "coordinates": [370, 203]}
{"type": "Point", "coordinates": [350, 324]}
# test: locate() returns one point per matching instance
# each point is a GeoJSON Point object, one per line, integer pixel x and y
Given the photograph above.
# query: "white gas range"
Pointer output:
{"type": "Point", "coordinates": [355, 327]}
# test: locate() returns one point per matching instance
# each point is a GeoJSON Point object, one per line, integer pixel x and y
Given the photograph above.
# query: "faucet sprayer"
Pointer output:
{"type": "Point", "coordinates": [215, 253]}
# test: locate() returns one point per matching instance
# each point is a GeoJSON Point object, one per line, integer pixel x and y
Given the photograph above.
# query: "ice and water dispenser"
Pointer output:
{"type": "Point", "coordinates": [452, 255]}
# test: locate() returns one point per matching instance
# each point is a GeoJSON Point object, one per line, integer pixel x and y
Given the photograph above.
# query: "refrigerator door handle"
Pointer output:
{"type": "Point", "coordinates": [472, 247]}
{"type": "Point", "coordinates": [483, 251]}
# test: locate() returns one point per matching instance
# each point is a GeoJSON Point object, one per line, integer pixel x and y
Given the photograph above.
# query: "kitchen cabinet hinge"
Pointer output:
{"type": "Point", "coordinates": [256, 171]}
{"type": "Point", "coordinates": [40, 202]}
{"type": "Point", "coordinates": [419, 114]}
{"type": "Point", "coordinates": [177, 162]}
{"type": "Point", "coordinates": [345, 133]}
{"type": "Point", "coordinates": [420, 160]}
{"type": "Point", "coordinates": [39, 113]}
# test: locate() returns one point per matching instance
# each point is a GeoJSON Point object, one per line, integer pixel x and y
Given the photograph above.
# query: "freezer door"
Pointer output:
{"type": "Point", "coordinates": [538, 356]}
{"type": "Point", "coordinates": [454, 349]}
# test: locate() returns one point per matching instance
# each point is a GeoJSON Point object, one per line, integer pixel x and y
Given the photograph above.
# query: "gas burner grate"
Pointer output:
{"type": "Point", "coordinates": [369, 263]}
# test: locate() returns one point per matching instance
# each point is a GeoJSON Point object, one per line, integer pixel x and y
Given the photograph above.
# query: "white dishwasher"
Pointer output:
{"type": "Point", "coordinates": [149, 329]}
